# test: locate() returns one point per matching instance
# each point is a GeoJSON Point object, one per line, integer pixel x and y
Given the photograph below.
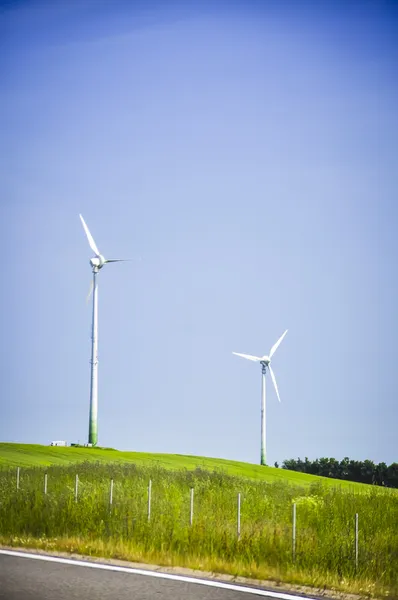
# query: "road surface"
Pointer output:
{"type": "Point", "coordinates": [39, 577]}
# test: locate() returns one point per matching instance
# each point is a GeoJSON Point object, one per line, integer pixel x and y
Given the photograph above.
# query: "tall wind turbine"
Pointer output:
{"type": "Point", "coordinates": [265, 362]}
{"type": "Point", "coordinates": [96, 263]}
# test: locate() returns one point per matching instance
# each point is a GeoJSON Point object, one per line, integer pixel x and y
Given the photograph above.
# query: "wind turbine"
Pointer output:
{"type": "Point", "coordinates": [265, 362]}
{"type": "Point", "coordinates": [97, 263]}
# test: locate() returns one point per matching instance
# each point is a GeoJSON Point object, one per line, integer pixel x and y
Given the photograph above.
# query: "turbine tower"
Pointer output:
{"type": "Point", "coordinates": [96, 263]}
{"type": "Point", "coordinates": [265, 362]}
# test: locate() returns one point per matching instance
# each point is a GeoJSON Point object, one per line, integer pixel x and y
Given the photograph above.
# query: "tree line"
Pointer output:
{"type": "Point", "coordinates": [365, 471]}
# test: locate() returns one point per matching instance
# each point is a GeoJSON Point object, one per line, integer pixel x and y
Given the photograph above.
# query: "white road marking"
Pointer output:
{"type": "Point", "coordinates": [159, 575]}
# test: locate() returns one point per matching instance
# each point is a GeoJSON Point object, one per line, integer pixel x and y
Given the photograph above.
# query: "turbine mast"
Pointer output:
{"type": "Point", "coordinates": [93, 425]}
{"type": "Point", "coordinates": [263, 421]}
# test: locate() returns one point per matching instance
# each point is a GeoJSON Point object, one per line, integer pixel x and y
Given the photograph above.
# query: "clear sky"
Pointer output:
{"type": "Point", "coordinates": [247, 151]}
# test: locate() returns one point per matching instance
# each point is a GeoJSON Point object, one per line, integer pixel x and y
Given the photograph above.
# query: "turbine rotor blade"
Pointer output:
{"type": "Point", "coordinates": [248, 356]}
{"type": "Point", "coordinates": [275, 346]}
{"type": "Point", "coordinates": [90, 238]}
{"type": "Point", "coordinates": [117, 260]}
{"type": "Point", "coordinates": [274, 381]}
{"type": "Point", "coordinates": [90, 291]}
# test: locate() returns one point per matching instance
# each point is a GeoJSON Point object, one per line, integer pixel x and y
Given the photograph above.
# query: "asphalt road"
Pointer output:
{"type": "Point", "coordinates": [31, 579]}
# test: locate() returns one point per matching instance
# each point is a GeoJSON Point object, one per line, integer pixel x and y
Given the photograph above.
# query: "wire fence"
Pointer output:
{"type": "Point", "coordinates": [202, 519]}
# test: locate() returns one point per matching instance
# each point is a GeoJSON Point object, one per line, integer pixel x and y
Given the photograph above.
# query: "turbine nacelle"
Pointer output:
{"type": "Point", "coordinates": [97, 262]}
{"type": "Point", "coordinates": [265, 360]}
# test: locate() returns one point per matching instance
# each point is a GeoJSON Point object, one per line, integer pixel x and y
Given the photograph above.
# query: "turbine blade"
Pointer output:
{"type": "Point", "coordinates": [90, 291]}
{"type": "Point", "coordinates": [248, 356]}
{"type": "Point", "coordinates": [138, 258]}
{"type": "Point", "coordinates": [274, 381]}
{"type": "Point", "coordinates": [275, 346]}
{"type": "Point", "coordinates": [90, 238]}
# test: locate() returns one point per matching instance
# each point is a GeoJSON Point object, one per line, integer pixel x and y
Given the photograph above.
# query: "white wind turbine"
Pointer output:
{"type": "Point", "coordinates": [265, 362]}
{"type": "Point", "coordinates": [97, 263]}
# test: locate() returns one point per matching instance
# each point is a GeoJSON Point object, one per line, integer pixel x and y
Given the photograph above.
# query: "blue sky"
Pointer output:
{"type": "Point", "coordinates": [247, 151]}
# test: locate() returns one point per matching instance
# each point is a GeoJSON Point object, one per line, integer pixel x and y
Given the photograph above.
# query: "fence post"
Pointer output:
{"type": "Point", "coordinates": [45, 483]}
{"type": "Point", "coordinates": [191, 512]}
{"type": "Point", "coordinates": [111, 494]}
{"type": "Point", "coordinates": [17, 478]}
{"type": "Point", "coordinates": [238, 524]}
{"type": "Point", "coordinates": [149, 499]}
{"type": "Point", "coordinates": [294, 533]}
{"type": "Point", "coordinates": [76, 486]}
{"type": "Point", "coordinates": [356, 541]}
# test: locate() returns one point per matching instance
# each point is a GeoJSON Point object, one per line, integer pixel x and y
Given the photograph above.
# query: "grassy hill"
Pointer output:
{"type": "Point", "coordinates": [35, 455]}
{"type": "Point", "coordinates": [62, 500]}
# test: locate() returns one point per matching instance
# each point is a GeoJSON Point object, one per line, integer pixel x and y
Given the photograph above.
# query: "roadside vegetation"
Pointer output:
{"type": "Point", "coordinates": [100, 518]}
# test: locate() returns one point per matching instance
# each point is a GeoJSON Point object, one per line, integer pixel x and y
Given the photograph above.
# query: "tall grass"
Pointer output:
{"type": "Point", "coordinates": [325, 546]}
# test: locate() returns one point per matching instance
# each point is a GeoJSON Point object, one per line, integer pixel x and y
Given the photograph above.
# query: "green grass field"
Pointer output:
{"type": "Point", "coordinates": [54, 518]}
{"type": "Point", "coordinates": [35, 455]}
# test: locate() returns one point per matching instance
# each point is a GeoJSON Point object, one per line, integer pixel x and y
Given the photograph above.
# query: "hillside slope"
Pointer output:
{"type": "Point", "coordinates": [35, 455]}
